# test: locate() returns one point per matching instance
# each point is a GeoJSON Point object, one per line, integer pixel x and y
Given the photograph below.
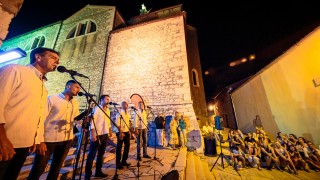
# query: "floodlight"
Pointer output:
{"type": "Point", "coordinates": [12, 54]}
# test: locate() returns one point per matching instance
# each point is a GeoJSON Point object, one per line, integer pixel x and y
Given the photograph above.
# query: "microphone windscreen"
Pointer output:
{"type": "Point", "coordinates": [61, 69]}
{"type": "Point", "coordinates": [79, 93]}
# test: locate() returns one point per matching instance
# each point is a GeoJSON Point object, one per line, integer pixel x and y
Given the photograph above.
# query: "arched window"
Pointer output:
{"type": "Point", "coordinates": [195, 78]}
{"type": "Point", "coordinates": [37, 42]}
{"type": "Point", "coordinates": [81, 29]}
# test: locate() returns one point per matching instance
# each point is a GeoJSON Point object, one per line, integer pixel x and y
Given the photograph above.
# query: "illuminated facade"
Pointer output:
{"type": "Point", "coordinates": [154, 55]}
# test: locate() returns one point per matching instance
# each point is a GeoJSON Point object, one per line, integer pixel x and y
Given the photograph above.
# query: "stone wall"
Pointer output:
{"type": "Point", "coordinates": [85, 54]}
{"type": "Point", "coordinates": [151, 60]}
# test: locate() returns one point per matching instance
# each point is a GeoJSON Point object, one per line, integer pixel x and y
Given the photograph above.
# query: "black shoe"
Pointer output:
{"type": "Point", "coordinates": [139, 158]}
{"type": "Point", "coordinates": [120, 167]}
{"type": "Point", "coordinates": [126, 164]}
{"type": "Point", "coordinates": [100, 174]}
{"type": "Point", "coordinates": [147, 156]}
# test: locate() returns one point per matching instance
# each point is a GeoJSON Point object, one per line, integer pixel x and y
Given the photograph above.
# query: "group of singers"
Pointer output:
{"type": "Point", "coordinates": [31, 121]}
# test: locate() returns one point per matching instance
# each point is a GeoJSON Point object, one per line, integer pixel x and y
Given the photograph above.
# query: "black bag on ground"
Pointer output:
{"type": "Point", "coordinates": [172, 175]}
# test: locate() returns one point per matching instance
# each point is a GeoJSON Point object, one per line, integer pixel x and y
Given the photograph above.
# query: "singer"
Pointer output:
{"type": "Point", "coordinates": [23, 96]}
{"type": "Point", "coordinates": [140, 124]}
{"type": "Point", "coordinates": [58, 132]}
{"type": "Point", "coordinates": [103, 128]}
{"type": "Point", "coordinates": [123, 136]}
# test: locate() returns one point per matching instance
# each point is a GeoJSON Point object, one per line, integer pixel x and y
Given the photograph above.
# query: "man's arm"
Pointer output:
{"type": "Point", "coordinates": [6, 148]}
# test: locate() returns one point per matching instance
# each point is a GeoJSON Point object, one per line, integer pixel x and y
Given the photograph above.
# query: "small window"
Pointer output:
{"type": "Point", "coordinates": [72, 33]}
{"type": "Point", "coordinates": [92, 27]}
{"type": "Point", "coordinates": [195, 78]}
{"type": "Point", "coordinates": [82, 28]}
{"type": "Point", "coordinates": [37, 42]}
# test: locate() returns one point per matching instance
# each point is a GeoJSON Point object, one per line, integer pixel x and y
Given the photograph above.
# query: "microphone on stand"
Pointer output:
{"type": "Point", "coordinates": [149, 107]}
{"type": "Point", "coordinates": [132, 107]}
{"type": "Point", "coordinates": [62, 69]}
{"type": "Point", "coordinates": [85, 94]}
{"type": "Point", "coordinates": [112, 103]}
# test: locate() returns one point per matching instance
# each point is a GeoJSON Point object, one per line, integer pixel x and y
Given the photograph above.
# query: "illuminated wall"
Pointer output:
{"type": "Point", "coordinates": [155, 59]}
{"type": "Point", "coordinates": [151, 60]}
{"type": "Point", "coordinates": [284, 94]}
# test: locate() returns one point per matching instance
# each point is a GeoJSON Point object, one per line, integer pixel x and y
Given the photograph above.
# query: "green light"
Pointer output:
{"type": "Point", "coordinates": [12, 54]}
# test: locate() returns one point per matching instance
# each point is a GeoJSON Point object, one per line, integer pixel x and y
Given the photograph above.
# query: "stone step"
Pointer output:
{"type": "Point", "coordinates": [69, 163]}
{"type": "Point", "coordinates": [190, 170]}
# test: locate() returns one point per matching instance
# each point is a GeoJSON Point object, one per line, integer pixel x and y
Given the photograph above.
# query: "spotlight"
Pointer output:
{"type": "Point", "coordinates": [12, 54]}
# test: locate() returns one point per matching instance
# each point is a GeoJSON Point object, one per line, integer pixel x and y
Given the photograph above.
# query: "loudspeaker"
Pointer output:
{"type": "Point", "coordinates": [217, 122]}
{"type": "Point", "coordinates": [172, 175]}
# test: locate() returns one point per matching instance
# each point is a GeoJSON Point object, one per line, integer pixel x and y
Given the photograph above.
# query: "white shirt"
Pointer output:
{"type": "Point", "coordinates": [102, 122]}
{"type": "Point", "coordinates": [140, 124]}
{"type": "Point", "coordinates": [22, 104]}
{"type": "Point", "coordinates": [119, 121]}
{"type": "Point", "coordinates": [58, 126]}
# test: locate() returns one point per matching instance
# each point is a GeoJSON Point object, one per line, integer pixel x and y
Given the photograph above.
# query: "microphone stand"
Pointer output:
{"type": "Point", "coordinates": [116, 176]}
{"type": "Point", "coordinates": [155, 148]}
{"type": "Point", "coordinates": [141, 122]}
{"type": "Point", "coordinates": [85, 124]}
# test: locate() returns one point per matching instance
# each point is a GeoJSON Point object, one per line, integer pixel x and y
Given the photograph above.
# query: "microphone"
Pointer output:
{"type": "Point", "coordinates": [113, 103]}
{"type": "Point", "coordinates": [132, 107]}
{"type": "Point", "coordinates": [149, 107]}
{"type": "Point", "coordinates": [85, 94]}
{"type": "Point", "coordinates": [62, 69]}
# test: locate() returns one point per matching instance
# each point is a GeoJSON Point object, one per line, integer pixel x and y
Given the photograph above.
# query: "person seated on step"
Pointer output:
{"type": "Point", "coordinates": [284, 158]}
{"type": "Point", "coordinates": [253, 154]}
{"type": "Point", "coordinates": [268, 155]}
{"type": "Point", "coordinates": [238, 156]}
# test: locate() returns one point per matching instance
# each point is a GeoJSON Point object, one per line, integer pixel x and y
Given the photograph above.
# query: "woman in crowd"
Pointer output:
{"type": "Point", "coordinates": [293, 139]}
{"type": "Point", "coordinates": [313, 150]}
{"type": "Point", "coordinates": [284, 157]}
{"type": "Point", "coordinates": [302, 148]}
{"type": "Point", "coordinates": [296, 158]}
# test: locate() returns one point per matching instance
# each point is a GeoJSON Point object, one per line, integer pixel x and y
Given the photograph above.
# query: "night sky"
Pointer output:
{"type": "Point", "coordinates": [227, 30]}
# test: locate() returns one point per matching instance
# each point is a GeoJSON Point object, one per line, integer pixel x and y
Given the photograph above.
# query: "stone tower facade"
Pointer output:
{"type": "Point", "coordinates": [155, 56]}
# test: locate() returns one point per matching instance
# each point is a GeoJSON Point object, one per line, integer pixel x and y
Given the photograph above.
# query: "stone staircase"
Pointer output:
{"type": "Point", "coordinates": [67, 169]}
{"type": "Point", "coordinates": [197, 168]}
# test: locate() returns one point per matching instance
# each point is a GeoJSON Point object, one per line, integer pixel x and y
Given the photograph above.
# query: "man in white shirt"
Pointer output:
{"type": "Point", "coordinates": [123, 135]}
{"type": "Point", "coordinates": [140, 124]}
{"type": "Point", "coordinates": [58, 132]}
{"type": "Point", "coordinates": [100, 130]}
{"type": "Point", "coordinates": [23, 98]}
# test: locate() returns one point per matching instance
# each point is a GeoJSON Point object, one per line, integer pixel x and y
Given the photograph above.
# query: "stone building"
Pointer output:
{"type": "Point", "coordinates": [154, 55]}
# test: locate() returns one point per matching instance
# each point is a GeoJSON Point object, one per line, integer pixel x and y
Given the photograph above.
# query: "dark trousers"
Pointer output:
{"type": "Point", "coordinates": [59, 152]}
{"type": "Point", "coordinates": [126, 142]}
{"type": "Point", "coordinates": [142, 135]}
{"type": "Point", "coordinates": [9, 170]}
{"type": "Point", "coordinates": [94, 148]}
